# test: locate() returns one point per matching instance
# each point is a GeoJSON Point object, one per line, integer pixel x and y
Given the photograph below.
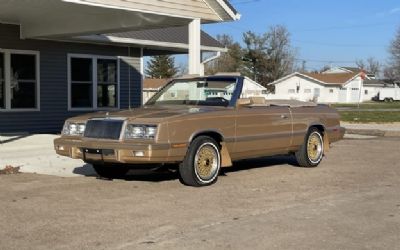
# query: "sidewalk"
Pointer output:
{"type": "Point", "coordinates": [35, 154]}
{"type": "Point", "coordinates": [375, 129]}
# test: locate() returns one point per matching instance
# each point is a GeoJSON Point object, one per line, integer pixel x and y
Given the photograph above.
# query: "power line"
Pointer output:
{"type": "Point", "coordinates": [338, 44]}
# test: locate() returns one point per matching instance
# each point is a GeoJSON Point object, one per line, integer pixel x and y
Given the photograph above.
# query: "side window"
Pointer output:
{"type": "Point", "coordinates": [107, 83]}
{"type": "Point", "coordinates": [93, 82]}
{"type": "Point", "coordinates": [81, 83]}
{"type": "Point", "coordinates": [2, 82]}
{"type": "Point", "coordinates": [23, 81]}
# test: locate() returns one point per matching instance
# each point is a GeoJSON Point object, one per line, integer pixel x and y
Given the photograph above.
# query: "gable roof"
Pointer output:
{"type": "Point", "coordinates": [337, 78]}
{"type": "Point", "coordinates": [324, 79]}
{"type": "Point", "coordinates": [154, 83]}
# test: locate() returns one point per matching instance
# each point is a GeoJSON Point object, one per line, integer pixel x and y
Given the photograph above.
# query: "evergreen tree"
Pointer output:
{"type": "Point", "coordinates": [161, 67]}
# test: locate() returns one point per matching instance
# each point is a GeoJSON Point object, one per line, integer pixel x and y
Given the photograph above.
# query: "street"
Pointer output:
{"type": "Point", "coordinates": [351, 201]}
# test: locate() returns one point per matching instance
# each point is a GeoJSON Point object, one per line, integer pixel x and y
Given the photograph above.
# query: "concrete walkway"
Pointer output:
{"type": "Point", "coordinates": [375, 129]}
{"type": "Point", "coordinates": [35, 154]}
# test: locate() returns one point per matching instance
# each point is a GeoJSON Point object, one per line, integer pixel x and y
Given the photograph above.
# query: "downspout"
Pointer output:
{"type": "Point", "coordinates": [210, 59]}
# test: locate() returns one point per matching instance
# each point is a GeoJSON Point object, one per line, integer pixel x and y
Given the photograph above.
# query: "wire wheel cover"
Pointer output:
{"type": "Point", "coordinates": [314, 147]}
{"type": "Point", "coordinates": [206, 162]}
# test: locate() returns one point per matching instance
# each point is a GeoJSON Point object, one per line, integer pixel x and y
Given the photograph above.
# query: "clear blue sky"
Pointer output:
{"type": "Point", "coordinates": [339, 31]}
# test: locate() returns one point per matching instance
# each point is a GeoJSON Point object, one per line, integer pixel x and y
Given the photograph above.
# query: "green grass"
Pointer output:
{"type": "Point", "coordinates": [370, 105]}
{"type": "Point", "coordinates": [370, 116]}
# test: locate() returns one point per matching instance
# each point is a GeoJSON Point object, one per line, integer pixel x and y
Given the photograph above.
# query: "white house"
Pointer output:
{"type": "Point", "coordinates": [322, 88]}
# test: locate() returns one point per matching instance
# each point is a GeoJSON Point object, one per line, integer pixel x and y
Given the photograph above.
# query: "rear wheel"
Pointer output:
{"type": "Point", "coordinates": [110, 171]}
{"type": "Point", "coordinates": [202, 163]}
{"type": "Point", "coordinates": [311, 152]}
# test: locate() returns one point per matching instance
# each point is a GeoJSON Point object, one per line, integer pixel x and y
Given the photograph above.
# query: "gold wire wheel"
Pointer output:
{"type": "Point", "coordinates": [314, 147]}
{"type": "Point", "coordinates": [206, 162]}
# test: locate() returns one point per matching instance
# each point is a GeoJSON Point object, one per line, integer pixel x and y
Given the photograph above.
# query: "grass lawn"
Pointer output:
{"type": "Point", "coordinates": [370, 116]}
{"type": "Point", "coordinates": [370, 105]}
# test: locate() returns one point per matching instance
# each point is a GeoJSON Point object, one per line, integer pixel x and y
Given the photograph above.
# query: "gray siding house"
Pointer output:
{"type": "Point", "coordinates": [43, 81]}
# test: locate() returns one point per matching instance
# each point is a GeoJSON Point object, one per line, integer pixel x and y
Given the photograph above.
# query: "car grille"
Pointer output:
{"type": "Point", "coordinates": [104, 129]}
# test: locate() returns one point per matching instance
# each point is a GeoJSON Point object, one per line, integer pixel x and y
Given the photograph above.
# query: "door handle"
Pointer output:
{"type": "Point", "coordinates": [284, 117]}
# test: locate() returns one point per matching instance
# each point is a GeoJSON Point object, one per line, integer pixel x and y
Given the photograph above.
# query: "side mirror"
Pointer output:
{"type": "Point", "coordinates": [243, 102]}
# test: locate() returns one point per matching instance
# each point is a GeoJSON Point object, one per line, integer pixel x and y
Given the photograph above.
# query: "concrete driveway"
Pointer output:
{"type": "Point", "coordinates": [35, 154]}
{"type": "Point", "coordinates": [352, 201]}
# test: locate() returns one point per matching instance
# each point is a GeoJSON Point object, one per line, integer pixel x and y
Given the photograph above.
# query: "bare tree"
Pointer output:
{"type": "Point", "coordinates": [269, 56]}
{"type": "Point", "coordinates": [372, 65]}
{"type": "Point", "coordinates": [361, 64]}
{"type": "Point", "coordinates": [393, 68]}
{"type": "Point", "coordinates": [228, 62]}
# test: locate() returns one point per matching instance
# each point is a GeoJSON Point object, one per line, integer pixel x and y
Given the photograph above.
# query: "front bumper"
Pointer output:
{"type": "Point", "coordinates": [106, 151]}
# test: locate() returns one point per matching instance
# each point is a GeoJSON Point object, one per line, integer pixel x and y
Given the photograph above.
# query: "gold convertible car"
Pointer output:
{"type": "Point", "coordinates": [200, 125]}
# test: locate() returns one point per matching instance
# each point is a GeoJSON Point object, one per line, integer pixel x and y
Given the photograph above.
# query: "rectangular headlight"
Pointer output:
{"type": "Point", "coordinates": [134, 131]}
{"type": "Point", "coordinates": [74, 128]}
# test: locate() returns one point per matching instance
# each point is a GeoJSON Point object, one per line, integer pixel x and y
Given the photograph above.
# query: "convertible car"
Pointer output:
{"type": "Point", "coordinates": [200, 125]}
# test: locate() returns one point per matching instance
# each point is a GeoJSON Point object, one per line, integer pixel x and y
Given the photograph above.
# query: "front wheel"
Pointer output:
{"type": "Point", "coordinates": [202, 163]}
{"type": "Point", "coordinates": [110, 171]}
{"type": "Point", "coordinates": [311, 152]}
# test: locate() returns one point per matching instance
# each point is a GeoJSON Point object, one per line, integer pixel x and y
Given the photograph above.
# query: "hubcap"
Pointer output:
{"type": "Point", "coordinates": [206, 162]}
{"type": "Point", "coordinates": [314, 147]}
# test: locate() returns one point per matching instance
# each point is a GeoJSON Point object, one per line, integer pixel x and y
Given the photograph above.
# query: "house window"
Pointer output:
{"type": "Point", "coordinates": [19, 80]}
{"type": "Point", "coordinates": [81, 83]}
{"type": "Point", "coordinates": [94, 82]}
{"type": "Point", "coordinates": [307, 91]}
{"type": "Point", "coordinates": [23, 81]}
{"type": "Point", "coordinates": [107, 83]}
{"type": "Point", "coordinates": [291, 91]}
{"type": "Point", "coordinates": [331, 91]}
{"type": "Point", "coordinates": [366, 92]}
{"type": "Point", "coordinates": [2, 81]}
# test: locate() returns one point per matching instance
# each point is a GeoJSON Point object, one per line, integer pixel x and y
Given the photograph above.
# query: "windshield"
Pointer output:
{"type": "Point", "coordinates": [195, 92]}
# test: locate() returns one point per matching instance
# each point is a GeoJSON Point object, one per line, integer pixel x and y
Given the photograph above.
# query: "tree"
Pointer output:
{"type": "Point", "coordinates": [393, 68]}
{"type": "Point", "coordinates": [227, 62]}
{"type": "Point", "coordinates": [161, 67]}
{"type": "Point", "coordinates": [372, 65]}
{"type": "Point", "coordinates": [269, 56]}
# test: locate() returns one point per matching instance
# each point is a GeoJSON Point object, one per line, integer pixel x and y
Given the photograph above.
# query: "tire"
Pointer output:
{"type": "Point", "coordinates": [311, 152]}
{"type": "Point", "coordinates": [202, 163]}
{"type": "Point", "coordinates": [110, 171]}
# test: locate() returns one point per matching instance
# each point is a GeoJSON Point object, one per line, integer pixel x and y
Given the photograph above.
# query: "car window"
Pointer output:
{"type": "Point", "coordinates": [195, 92]}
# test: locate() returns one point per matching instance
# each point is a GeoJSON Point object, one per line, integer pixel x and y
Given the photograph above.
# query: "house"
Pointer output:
{"type": "Point", "coordinates": [336, 70]}
{"type": "Point", "coordinates": [62, 58]}
{"type": "Point", "coordinates": [152, 86]}
{"type": "Point", "coordinates": [372, 88]}
{"type": "Point", "coordinates": [322, 88]}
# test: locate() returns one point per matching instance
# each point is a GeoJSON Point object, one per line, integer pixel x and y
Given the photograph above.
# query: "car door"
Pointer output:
{"type": "Point", "coordinates": [262, 130]}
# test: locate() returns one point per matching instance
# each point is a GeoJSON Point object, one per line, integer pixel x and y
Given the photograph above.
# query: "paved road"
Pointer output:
{"type": "Point", "coordinates": [352, 201]}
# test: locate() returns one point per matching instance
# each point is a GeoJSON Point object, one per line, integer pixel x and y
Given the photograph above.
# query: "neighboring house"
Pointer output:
{"type": "Point", "coordinates": [338, 70]}
{"type": "Point", "coordinates": [58, 61]}
{"type": "Point", "coordinates": [323, 88]}
{"type": "Point", "coordinates": [252, 88]}
{"type": "Point", "coordinates": [152, 86]}
{"type": "Point", "coordinates": [372, 88]}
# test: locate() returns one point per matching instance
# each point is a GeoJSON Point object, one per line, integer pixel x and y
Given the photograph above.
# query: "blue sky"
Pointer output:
{"type": "Point", "coordinates": [337, 31]}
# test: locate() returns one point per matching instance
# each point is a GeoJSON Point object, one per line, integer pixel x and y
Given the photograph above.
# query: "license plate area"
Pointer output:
{"type": "Point", "coordinates": [97, 155]}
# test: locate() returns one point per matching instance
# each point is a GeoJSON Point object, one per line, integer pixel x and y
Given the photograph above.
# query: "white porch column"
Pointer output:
{"type": "Point", "coordinates": [194, 46]}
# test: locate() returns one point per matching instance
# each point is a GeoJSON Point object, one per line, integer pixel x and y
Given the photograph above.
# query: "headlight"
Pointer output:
{"type": "Point", "coordinates": [74, 128]}
{"type": "Point", "coordinates": [140, 131]}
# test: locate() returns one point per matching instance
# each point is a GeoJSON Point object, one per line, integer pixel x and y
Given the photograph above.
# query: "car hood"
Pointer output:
{"type": "Point", "coordinates": [151, 113]}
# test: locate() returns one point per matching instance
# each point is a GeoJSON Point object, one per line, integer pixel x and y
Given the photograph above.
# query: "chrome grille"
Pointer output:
{"type": "Point", "coordinates": [104, 129]}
